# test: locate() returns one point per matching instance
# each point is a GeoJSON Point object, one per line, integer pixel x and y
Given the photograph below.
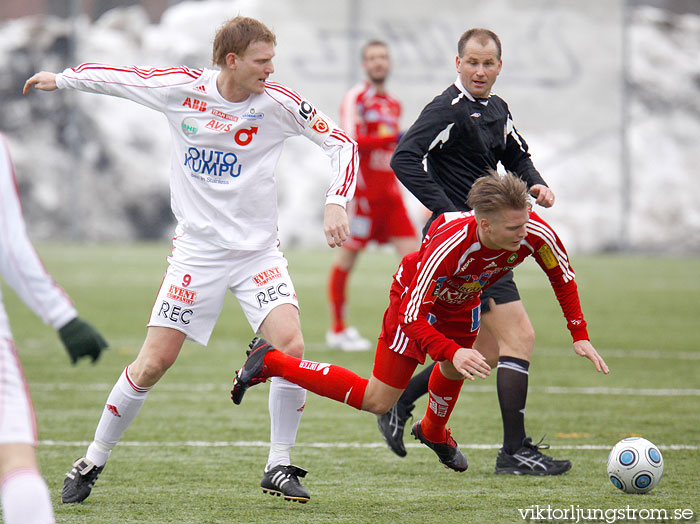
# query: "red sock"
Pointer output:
{"type": "Point", "coordinates": [443, 394]}
{"type": "Point", "coordinates": [324, 379]}
{"type": "Point", "coordinates": [336, 296]}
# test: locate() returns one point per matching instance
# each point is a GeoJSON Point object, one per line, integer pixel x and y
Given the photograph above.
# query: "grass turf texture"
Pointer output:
{"type": "Point", "coordinates": [176, 464]}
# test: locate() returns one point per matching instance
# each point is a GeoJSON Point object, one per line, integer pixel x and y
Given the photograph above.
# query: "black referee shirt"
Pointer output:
{"type": "Point", "coordinates": [459, 138]}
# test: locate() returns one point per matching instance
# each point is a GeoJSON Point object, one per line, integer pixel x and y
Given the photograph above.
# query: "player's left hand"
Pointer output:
{"type": "Point", "coordinates": [81, 340]}
{"type": "Point", "coordinates": [543, 195]}
{"type": "Point", "coordinates": [469, 362]}
{"type": "Point", "coordinates": [586, 349]}
{"type": "Point", "coordinates": [336, 225]}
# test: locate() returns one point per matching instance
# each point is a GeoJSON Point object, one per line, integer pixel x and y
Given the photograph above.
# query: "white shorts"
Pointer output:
{"type": "Point", "coordinates": [198, 277]}
{"type": "Point", "coordinates": [17, 420]}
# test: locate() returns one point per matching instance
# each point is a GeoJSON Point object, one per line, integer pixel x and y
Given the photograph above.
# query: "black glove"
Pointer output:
{"type": "Point", "coordinates": [81, 340]}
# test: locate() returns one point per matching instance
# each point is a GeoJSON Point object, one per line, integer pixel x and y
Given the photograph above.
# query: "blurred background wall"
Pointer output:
{"type": "Point", "coordinates": [606, 92]}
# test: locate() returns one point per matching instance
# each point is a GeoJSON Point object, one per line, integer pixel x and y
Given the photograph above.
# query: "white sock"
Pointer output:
{"type": "Point", "coordinates": [25, 498]}
{"type": "Point", "coordinates": [286, 403]}
{"type": "Point", "coordinates": [123, 404]}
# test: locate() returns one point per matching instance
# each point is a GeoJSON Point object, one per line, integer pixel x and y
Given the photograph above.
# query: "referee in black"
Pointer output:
{"type": "Point", "coordinates": [461, 135]}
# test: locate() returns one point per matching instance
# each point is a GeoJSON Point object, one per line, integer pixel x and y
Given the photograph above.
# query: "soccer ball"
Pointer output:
{"type": "Point", "coordinates": [635, 465]}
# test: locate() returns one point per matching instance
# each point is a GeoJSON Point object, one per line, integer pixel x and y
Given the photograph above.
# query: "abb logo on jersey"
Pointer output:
{"type": "Point", "coordinates": [195, 104]}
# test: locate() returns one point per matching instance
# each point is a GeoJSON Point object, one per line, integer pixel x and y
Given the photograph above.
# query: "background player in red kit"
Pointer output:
{"type": "Point", "coordinates": [371, 116]}
{"type": "Point", "coordinates": [434, 310]}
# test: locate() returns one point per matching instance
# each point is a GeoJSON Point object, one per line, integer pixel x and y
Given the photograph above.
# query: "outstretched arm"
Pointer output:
{"type": "Point", "coordinates": [44, 81]}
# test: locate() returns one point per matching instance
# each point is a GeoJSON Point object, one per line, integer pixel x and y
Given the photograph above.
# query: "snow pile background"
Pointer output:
{"type": "Point", "coordinates": [96, 168]}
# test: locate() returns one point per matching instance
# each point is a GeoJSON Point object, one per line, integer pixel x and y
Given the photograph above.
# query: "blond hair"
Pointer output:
{"type": "Point", "coordinates": [236, 35]}
{"type": "Point", "coordinates": [494, 193]}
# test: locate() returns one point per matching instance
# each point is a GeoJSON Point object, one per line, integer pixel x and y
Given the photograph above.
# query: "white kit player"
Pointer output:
{"type": "Point", "coordinates": [25, 497]}
{"type": "Point", "coordinates": [228, 127]}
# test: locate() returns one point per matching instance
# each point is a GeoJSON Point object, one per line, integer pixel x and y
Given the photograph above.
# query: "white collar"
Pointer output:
{"type": "Point", "coordinates": [464, 92]}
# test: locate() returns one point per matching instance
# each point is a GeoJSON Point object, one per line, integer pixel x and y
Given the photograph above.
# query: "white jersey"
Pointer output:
{"type": "Point", "coordinates": [224, 154]}
{"type": "Point", "coordinates": [19, 263]}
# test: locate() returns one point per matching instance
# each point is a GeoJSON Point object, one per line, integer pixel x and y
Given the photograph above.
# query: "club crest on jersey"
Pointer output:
{"type": "Point", "coordinates": [252, 115]}
{"type": "Point", "coordinates": [189, 126]}
{"type": "Point", "coordinates": [550, 261]}
{"type": "Point", "coordinates": [195, 103]}
{"type": "Point", "coordinates": [319, 125]}
{"type": "Point", "coordinates": [512, 258]}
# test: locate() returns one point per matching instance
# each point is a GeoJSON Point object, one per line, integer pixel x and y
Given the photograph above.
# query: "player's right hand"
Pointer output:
{"type": "Point", "coordinates": [336, 225]}
{"type": "Point", "coordinates": [44, 81]}
{"type": "Point", "coordinates": [470, 363]}
{"type": "Point", "coordinates": [81, 340]}
{"type": "Point", "coordinates": [585, 349]}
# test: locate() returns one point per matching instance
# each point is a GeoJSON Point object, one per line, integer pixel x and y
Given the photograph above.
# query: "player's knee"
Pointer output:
{"type": "Point", "coordinates": [528, 340]}
{"type": "Point", "coordinates": [522, 345]}
{"type": "Point", "coordinates": [147, 371]}
{"type": "Point", "coordinates": [293, 346]}
{"type": "Point", "coordinates": [378, 406]}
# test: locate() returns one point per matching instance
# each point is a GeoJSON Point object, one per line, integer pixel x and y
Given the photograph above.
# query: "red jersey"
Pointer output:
{"type": "Point", "coordinates": [372, 119]}
{"type": "Point", "coordinates": [441, 284]}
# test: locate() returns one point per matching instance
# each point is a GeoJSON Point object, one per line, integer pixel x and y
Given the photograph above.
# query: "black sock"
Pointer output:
{"type": "Point", "coordinates": [417, 387]}
{"type": "Point", "coordinates": [511, 383]}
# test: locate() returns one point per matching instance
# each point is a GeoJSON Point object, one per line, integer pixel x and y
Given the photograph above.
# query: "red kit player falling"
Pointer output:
{"type": "Point", "coordinates": [434, 310]}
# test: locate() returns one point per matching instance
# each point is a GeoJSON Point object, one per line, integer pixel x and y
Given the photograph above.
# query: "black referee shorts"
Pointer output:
{"type": "Point", "coordinates": [502, 292]}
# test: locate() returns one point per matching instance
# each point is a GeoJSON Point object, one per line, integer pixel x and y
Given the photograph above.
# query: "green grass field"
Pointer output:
{"type": "Point", "coordinates": [191, 456]}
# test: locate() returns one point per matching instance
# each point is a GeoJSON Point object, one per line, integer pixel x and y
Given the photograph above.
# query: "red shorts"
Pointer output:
{"type": "Point", "coordinates": [391, 368]}
{"type": "Point", "coordinates": [460, 325]}
{"type": "Point", "coordinates": [378, 221]}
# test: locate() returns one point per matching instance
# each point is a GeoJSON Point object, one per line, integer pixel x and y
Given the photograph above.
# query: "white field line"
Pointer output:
{"type": "Point", "coordinates": [336, 445]}
{"type": "Point", "coordinates": [473, 388]}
